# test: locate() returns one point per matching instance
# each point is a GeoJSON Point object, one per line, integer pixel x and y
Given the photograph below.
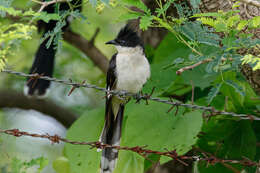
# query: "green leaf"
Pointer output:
{"type": "Point", "coordinates": [221, 27]}
{"type": "Point", "coordinates": [168, 131]}
{"type": "Point", "coordinates": [229, 41]}
{"type": "Point", "coordinates": [149, 162]}
{"type": "Point", "coordinates": [252, 100]}
{"type": "Point", "coordinates": [10, 35]}
{"type": "Point", "coordinates": [254, 61]}
{"type": "Point", "coordinates": [256, 22]}
{"type": "Point", "coordinates": [242, 24]}
{"type": "Point", "coordinates": [129, 16]}
{"type": "Point", "coordinates": [145, 22]}
{"type": "Point", "coordinates": [210, 66]}
{"type": "Point", "coordinates": [160, 78]}
{"type": "Point", "coordinates": [232, 21]}
{"type": "Point", "coordinates": [207, 15]}
{"type": "Point", "coordinates": [42, 162]}
{"type": "Point", "coordinates": [5, 3]}
{"type": "Point", "coordinates": [237, 88]}
{"type": "Point", "coordinates": [175, 62]}
{"type": "Point", "coordinates": [208, 168]}
{"type": "Point", "coordinates": [196, 32]}
{"type": "Point", "coordinates": [195, 3]}
{"type": "Point", "coordinates": [177, 87]}
{"type": "Point", "coordinates": [170, 49]}
{"type": "Point", "coordinates": [178, 61]}
{"type": "Point", "coordinates": [137, 3]}
{"type": "Point", "coordinates": [164, 55]}
{"type": "Point", "coordinates": [10, 11]}
{"type": "Point", "coordinates": [241, 142]}
{"type": "Point", "coordinates": [46, 17]}
{"type": "Point", "coordinates": [213, 92]}
{"type": "Point", "coordinates": [16, 165]}
{"type": "Point", "coordinates": [235, 101]}
{"type": "Point", "coordinates": [61, 165]}
{"type": "Point", "coordinates": [227, 139]}
{"type": "Point", "coordinates": [199, 77]}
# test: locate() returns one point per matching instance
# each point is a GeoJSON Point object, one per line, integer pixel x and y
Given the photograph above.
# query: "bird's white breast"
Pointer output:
{"type": "Point", "coordinates": [132, 69]}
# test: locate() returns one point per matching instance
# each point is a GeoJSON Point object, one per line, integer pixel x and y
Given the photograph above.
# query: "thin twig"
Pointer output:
{"type": "Point", "coordinates": [47, 3]}
{"type": "Point", "coordinates": [192, 93]}
{"type": "Point", "coordinates": [94, 36]}
{"type": "Point", "coordinates": [180, 71]}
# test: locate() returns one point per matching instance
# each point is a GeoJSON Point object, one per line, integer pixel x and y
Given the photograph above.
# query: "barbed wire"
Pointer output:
{"type": "Point", "coordinates": [141, 150]}
{"type": "Point", "coordinates": [211, 110]}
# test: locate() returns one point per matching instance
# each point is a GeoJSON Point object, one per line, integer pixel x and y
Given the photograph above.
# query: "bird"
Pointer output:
{"type": "Point", "coordinates": [128, 70]}
{"type": "Point", "coordinates": [44, 58]}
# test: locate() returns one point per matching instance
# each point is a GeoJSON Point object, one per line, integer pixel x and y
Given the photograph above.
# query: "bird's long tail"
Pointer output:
{"type": "Point", "coordinates": [44, 58]}
{"type": "Point", "coordinates": [111, 135]}
{"type": "Point", "coordinates": [43, 65]}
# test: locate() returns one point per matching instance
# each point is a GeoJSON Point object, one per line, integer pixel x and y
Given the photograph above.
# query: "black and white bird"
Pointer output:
{"type": "Point", "coordinates": [128, 70]}
{"type": "Point", "coordinates": [44, 58]}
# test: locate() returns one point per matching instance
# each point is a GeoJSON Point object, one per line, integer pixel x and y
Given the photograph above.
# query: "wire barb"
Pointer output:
{"type": "Point", "coordinates": [211, 110]}
{"type": "Point", "coordinates": [75, 86]}
{"type": "Point", "coordinates": [141, 150]}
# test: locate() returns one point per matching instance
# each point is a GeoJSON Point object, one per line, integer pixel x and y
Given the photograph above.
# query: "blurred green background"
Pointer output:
{"type": "Point", "coordinates": [70, 63]}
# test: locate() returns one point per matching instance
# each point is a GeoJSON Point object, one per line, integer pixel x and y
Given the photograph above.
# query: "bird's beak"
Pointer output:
{"type": "Point", "coordinates": [111, 42]}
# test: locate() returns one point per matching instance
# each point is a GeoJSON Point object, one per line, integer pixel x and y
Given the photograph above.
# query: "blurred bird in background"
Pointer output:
{"type": "Point", "coordinates": [44, 58]}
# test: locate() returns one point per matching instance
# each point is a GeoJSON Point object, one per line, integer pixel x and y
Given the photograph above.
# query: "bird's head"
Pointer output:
{"type": "Point", "coordinates": [126, 39]}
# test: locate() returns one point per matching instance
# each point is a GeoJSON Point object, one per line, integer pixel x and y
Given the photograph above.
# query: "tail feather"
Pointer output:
{"type": "Point", "coordinates": [44, 58]}
{"type": "Point", "coordinates": [111, 135]}
{"type": "Point", "coordinates": [43, 64]}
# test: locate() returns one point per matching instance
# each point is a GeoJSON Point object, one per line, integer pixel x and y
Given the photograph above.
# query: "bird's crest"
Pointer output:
{"type": "Point", "coordinates": [128, 37]}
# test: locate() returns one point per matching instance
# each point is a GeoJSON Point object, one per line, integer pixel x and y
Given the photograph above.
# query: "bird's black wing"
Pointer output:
{"type": "Point", "coordinates": [111, 73]}
{"type": "Point", "coordinates": [111, 83]}
{"type": "Point", "coordinates": [111, 133]}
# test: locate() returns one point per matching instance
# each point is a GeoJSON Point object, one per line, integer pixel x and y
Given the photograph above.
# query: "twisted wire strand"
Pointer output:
{"type": "Point", "coordinates": [212, 111]}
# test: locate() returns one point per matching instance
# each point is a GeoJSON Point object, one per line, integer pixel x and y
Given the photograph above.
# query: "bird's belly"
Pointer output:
{"type": "Point", "coordinates": [130, 77]}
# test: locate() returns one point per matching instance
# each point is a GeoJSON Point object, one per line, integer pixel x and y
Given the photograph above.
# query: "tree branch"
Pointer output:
{"type": "Point", "coordinates": [180, 71]}
{"type": "Point", "coordinates": [88, 48]}
{"type": "Point", "coordinates": [14, 99]}
{"type": "Point", "coordinates": [251, 2]}
{"type": "Point", "coordinates": [47, 3]}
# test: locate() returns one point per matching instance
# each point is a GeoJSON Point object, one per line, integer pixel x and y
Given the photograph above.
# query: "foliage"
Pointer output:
{"type": "Point", "coordinates": [177, 131]}
{"type": "Point", "coordinates": [13, 33]}
{"type": "Point", "coordinates": [193, 37]}
{"type": "Point", "coordinates": [9, 36]}
{"type": "Point", "coordinates": [61, 165]}
{"type": "Point", "coordinates": [20, 166]}
{"type": "Point", "coordinates": [229, 23]}
{"type": "Point", "coordinates": [251, 59]}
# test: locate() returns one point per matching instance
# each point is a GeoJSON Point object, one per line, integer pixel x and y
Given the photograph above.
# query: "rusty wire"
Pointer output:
{"type": "Point", "coordinates": [141, 150]}
{"type": "Point", "coordinates": [210, 110]}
